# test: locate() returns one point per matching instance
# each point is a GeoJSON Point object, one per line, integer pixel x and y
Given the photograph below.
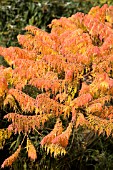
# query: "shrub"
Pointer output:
{"type": "Point", "coordinates": [71, 69]}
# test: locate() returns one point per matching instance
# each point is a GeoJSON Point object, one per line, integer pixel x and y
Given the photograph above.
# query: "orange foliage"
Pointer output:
{"type": "Point", "coordinates": [57, 130]}
{"type": "Point", "coordinates": [25, 124]}
{"type": "Point", "coordinates": [31, 150]}
{"type": "Point", "coordinates": [82, 100]}
{"type": "Point", "coordinates": [72, 69]}
{"type": "Point", "coordinates": [12, 158]}
{"type": "Point", "coordinates": [63, 138]}
{"type": "Point", "coordinates": [26, 102]}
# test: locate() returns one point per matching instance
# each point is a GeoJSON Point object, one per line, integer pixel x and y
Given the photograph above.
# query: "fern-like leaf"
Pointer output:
{"type": "Point", "coordinates": [57, 130]}
{"type": "Point", "coordinates": [12, 158]}
{"type": "Point", "coordinates": [31, 150]}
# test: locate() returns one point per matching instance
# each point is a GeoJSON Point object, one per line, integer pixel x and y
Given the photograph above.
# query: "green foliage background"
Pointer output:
{"type": "Point", "coordinates": [14, 16]}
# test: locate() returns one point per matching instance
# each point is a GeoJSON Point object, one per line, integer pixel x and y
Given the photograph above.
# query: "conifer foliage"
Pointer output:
{"type": "Point", "coordinates": [72, 68]}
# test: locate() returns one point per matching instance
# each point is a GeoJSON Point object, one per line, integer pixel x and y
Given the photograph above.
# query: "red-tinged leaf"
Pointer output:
{"type": "Point", "coordinates": [57, 130]}
{"type": "Point", "coordinates": [82, 100]}
{"type": "Point", "coordinates": [63, 138]}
